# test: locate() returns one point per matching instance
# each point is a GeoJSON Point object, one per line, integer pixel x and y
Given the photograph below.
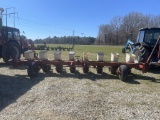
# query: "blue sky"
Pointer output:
{"type": "Point", "coordinates": [43, 18]}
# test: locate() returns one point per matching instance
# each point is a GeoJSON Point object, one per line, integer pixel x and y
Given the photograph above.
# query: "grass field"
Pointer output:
{"type": "Point", "coordinates": [79, 96]}
{"type": "Point", "coordinates": [93, 50]}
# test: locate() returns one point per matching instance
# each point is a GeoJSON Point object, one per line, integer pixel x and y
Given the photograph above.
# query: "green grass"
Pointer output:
{"type": "Point", "coordinates": [92, 51]}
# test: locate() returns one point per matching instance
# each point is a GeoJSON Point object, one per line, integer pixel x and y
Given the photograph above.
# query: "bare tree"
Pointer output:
{"type": "Point", "coordinates": [122, 28]}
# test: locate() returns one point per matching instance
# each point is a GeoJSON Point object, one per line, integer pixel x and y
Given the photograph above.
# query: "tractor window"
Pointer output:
{"type": "Point", "coordinates": [16, 35]}
{"type": "Point", "coordinates": [9, 35]}
{"type": "Point", "coordinates": [140, 36]}
{"type": "Point", "coordinates": [151, 36]}
{"type": "Point", "coordinates": [156, 34]}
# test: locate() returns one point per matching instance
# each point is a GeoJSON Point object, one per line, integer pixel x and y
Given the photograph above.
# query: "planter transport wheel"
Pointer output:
{"type": "Point", "coordinates": [123, 72]}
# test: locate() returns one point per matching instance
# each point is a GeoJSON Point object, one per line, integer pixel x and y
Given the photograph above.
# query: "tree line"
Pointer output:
{"type": "Point", "coordinates": [125, 27]}
{"type": "Point", "coordinates": [67, 40]}
{"type": "Point", "coordinates": [116, 32]}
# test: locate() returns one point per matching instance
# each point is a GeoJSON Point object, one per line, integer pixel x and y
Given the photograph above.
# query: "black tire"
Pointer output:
{"type": "Point", "coordinates": [33, 70]}
{"type": "Point", "coordinates": [85, 70]}
{"type": "Point", "coordinates": [46, 68]}
{"type": "Point", "coordinates": [11, 51]}
{"type": "Point", "coordinates": [129, 70]}
{"type": "Point", "coordinates": [5, 53]}
{"type": "Point", "coordinates": [123, 50]}
{"type": "Point", "coordinates": [113, 70]}
{"type": "Point", "coordinates": [14, 50]}
{"type": "Point", "coordinates": [141, 54]}
{"type": "Point", "coordinates": [123, 72]}
{"type": "Point", "coordinates": [59, 69]}
{"type": "Point", "coordinates": [99, 70]}
{"type": "Point", "coordinates": [72, 69]}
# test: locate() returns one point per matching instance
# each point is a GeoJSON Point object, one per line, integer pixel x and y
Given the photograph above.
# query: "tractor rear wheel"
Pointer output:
{"type": "Point", "coordinates": [5, 53]}
{"type": "Point", "coordinates": [141, 54]}
{"type": "Point", "coordinates": [10, 51]}
{"type": "Point", "coordinates": [14, 50]}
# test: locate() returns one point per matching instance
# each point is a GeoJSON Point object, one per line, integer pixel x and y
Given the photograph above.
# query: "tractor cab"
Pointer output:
{"type": "Point", "coordinates": [146, 40]}
{"type": "Point", "coordinates": [10, 43]}
{"type": "Point", "coordinates": [149, 36]}
{"type": "Point", "coordinates": [9, 33]}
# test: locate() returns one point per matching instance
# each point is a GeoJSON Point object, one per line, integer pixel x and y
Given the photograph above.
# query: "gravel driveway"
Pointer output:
{"type": "Point", "coordinates": [78, 96]}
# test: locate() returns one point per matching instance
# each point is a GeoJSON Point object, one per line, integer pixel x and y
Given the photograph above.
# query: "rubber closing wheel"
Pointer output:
{"type": "Point", "coordinates": [33, 70]}
{"type": "Point", "coordinates": [59, 68]}
{"type": "Point", "coordinates": [99, 69]}
{"type": "Point", "coordinates": [72, 69]}
{"type": "Point", "coordinates": [46, 68]}
{"type": "Point", "coordinates": [113, 70]}
{"type": "Point", "coordinates": [85, 69]}
{"type": "Point", "coordinates": [123, 72]}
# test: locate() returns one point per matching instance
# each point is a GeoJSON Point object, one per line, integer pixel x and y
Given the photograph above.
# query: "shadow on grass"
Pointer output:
{"type": "Point", "coordinates": [131, 79]}
{"type": "Point", "coordinates": [155, 70]}
{"type": "Point", "coordinates": [21, 67]}
{"type": "Point", "coordinates": [12, 87]}
{"type": "Point", "coordinates": [77, 75]}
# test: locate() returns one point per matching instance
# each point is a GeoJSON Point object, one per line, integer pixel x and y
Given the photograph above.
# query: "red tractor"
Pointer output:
{"type": "Point", "coordinates": [11, 43]}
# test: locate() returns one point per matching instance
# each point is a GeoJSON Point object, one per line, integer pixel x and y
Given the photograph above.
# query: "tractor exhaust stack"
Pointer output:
{"type": "Point", "coordinates": [1, 11]}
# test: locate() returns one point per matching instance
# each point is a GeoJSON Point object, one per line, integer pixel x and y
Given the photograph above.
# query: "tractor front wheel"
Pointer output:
{"type": "Point", "coordinates": [123, 50]}
{"type": "Point", "coordinates": [141, 54]}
